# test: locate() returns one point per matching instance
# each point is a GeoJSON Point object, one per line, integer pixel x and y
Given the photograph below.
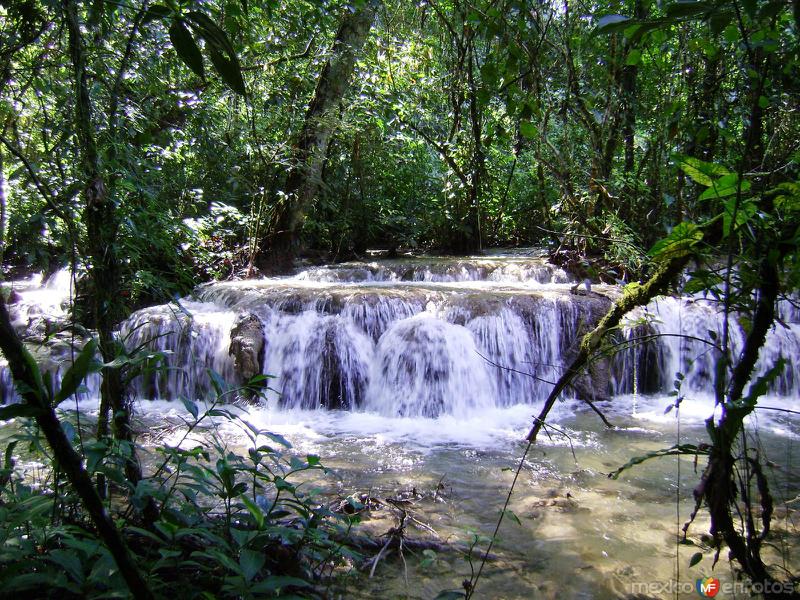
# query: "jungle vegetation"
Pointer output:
{"type": "Point", "coordinates": [154, 145]}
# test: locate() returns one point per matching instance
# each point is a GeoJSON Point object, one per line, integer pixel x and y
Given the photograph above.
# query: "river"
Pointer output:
{"type": "Point", "coordinates": [418, 378]}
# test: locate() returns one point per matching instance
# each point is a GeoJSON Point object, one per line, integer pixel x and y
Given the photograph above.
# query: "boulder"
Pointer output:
{"type": "Point", "coordinates": [247, 346]}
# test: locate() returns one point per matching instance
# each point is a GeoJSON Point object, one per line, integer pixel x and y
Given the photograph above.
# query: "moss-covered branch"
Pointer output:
{"type": "Point", "coordinates": [631, 298]}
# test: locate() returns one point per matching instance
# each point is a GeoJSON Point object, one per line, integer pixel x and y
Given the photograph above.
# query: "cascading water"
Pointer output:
{"type": "Point", "coordinates": [436, 367]}
{"type": "Point", "coordinates": [400, 339]}
{"type": "Point", "coordinates": [38, 308]}
{"type": "Point", "coordinates": [420, 337]}
{"type": "Point", "coordinates": [683, 336]}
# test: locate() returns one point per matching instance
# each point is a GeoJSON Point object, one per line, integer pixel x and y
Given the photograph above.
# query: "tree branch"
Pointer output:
{"type": "Point", "coordinates": [29, 383]}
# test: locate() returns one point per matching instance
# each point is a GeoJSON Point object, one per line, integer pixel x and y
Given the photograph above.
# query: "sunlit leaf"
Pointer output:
{"type": "Point", "coordinates": [612, 23]}
{"type": "Point", "coordinates": [683, 237]}
{"type": "Point", "coordinates": [700, 171]}
{"type": "Point", "coordinates": [725, 186]}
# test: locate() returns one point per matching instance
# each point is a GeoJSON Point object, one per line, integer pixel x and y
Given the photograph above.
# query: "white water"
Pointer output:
{"type": "Point", "coordinates": [41, 300]}
{"type": "Point", "coordinates": [421, 338]}
{"type": "Point", "coordinates": [405, 354]}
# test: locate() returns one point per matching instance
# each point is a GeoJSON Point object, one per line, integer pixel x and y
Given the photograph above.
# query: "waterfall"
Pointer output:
{"type": "Point", "coordinates": [422, 338]}
{"type": "Point", "coordinates": [683, 335]}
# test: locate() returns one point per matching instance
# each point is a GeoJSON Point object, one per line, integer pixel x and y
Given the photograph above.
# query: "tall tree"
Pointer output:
{"type": "Point", "coordinates": [102, 225]}
{"type": "Point", "coordinates": [310, 152]}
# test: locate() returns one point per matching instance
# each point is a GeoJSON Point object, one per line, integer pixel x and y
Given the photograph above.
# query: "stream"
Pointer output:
{"type": "Point", "coordinates": [421, 377]}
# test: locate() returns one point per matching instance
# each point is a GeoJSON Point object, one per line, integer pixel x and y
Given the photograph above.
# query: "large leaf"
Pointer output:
{"type": "Point", "coordinates": [634, 57]}
{"type": "Point", "coordinates": [787, 196]}
{"type": "Point", "coordinates": [727, 185]}
{"type": "Point", "coordinates": [743, 213]}
{"type": "Point", "coordinates": [12, 411]}
{"type": "Point", "coordinates": [279, 582]}
{"type": "Point", "coordinates": [687, 8]}
{"type": "Point", "coordinates": [84, 364]}
{"type": "Point", "coordinates": [612, 23]}
{"type": "Point", "coordinates": [678, 243]}
{"type": "Point", "coordinates": [211, 32]}
{"type": "Point", "coordinates": [528, 129]}
{"type": "Point", "coordinates": [156, 13]}
{"type": "Point", "coordinates": [229, 70]}
{"type": "Point", "coordinates": [186, 47]}
{"type": "Point", "coordinates": [254, 510]}
{"type": "Point", "coordinates": [251, 563]}
{"type": "Point", "coordinates": [220, 50]}
{"type": "Point", "coordinates": [700, 171]}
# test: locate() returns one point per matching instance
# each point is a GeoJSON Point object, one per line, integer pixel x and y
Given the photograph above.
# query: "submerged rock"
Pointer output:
{"type": "Point", "coordinates": [247, 347]}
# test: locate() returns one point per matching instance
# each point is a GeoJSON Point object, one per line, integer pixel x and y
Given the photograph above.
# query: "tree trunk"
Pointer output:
{"type": "Point", "coordinates": [3, 206]}
{"type": "Point", "coordinates": [101, 227]}
{"type": "Point", "coordinates": [29, 382]}
{"type": "Point", "coordinates": [303, 181]}
{"type": "Point", "coordinates": [470, 240]}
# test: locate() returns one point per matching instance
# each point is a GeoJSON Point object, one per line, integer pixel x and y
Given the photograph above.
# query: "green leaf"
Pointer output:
{"type": "Point", "coordinates": [186, 47]}
{"type": "Point", "coordinates": [220, 50]}
{"type": "Point", "coordinates": [725, 186]}
{"type": "Point", "coordinates": [8, 457]}
{"type": "Point", "coordinates": [634, 57]}
{"type": "Point", "coordinates": [254, 510]}
{"type": "Point", "coordinates": [218, 383]}
{"type": "Point", "coordinates": [272, 584]}
{"type": "Point", "coordinates": [191, 407]}
{"type": "Point", "coordinates": [687, 8]}
{"type": "Point", "coordinates": [528, 129]}
{"type": "Point", "coordinates": [746, 210]}
{"type": "Point", "coordinates": [251, 563]}
{"type": "Point", "coordinates": [211, 32]}
{"type": "Point", "coordinates": [787, 196]}
{"type": "Point", "coordinates": [276, 437]}
{"type": "Point", "coordinates": [699, 170]}
{"type": "Point", "coordinates": [719, 20]}
{"type": "Point", "coordinates": [683, 237]}
{"type": "Point", "coordinates": [156, 13]}
{"type": "Point", "coordinates": [612, 23]}
{"type": "Point", "coordinates": [68, 561]}
{"type": "Point", "coordinates": [27, 582]}
{"type": "Point", "coordinates": [229, 70]}
{"type": "Point", "coordinates": [84, 364]}
{"type": "Point", "coordinates": [12, 411]}
{"type": "Point", "coordinates": [696, 558]}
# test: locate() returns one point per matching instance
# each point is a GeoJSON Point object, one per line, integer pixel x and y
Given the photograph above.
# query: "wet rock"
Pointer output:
{"type": "Point", "coordinates": [594, 384]}
{"type": "Point", "coordinates": [247, 346]}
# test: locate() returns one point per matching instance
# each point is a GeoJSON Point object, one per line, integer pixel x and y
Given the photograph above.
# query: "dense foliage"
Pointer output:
{"type": "Point", "coordinates": [468, 124]}
{"type": "Point", "coordinates": [221, 524]}
{"type": "Point", "coordinates": [156, 145]}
